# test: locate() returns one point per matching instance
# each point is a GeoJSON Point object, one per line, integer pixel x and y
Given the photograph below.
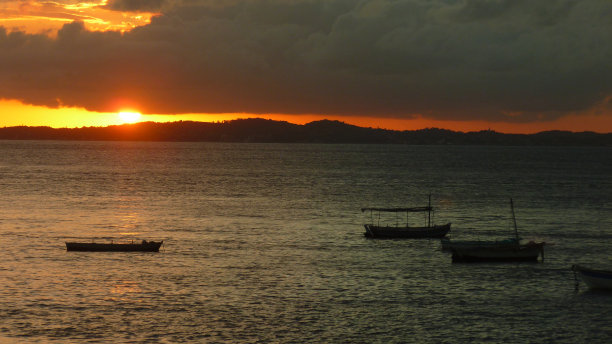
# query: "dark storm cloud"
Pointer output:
{"type": "Point", "coordinates": [136, 5]}
{"type": "Point", "coordinates": [473, 59]}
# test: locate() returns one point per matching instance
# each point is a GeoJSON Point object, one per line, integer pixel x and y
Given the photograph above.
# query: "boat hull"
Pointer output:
{"type": "Point", "coordinates": [448, 244]}
{"type": "Point", "coordinates": [406, 232]}
{"type": "Point", "coordinates": [149, 246]}
{"type": "Point", "coordinates": [500, 253]}
{"type": "Point", "coordinates": [595, 279]}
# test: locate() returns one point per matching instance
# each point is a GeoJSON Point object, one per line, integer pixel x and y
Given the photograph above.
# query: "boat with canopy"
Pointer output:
{"type": "Point", "coordinates": [429, 230]}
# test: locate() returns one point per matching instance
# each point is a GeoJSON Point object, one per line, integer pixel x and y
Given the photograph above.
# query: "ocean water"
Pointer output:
{"type": "Point", "coordinates": [263, 243]}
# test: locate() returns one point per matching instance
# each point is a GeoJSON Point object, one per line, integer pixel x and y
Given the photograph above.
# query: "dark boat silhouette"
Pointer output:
{"type": "Point", "coordinates": [510, 250]}
{"type": "Point", "coordinates": [397, 232]}
{"type": "Point", "coordinates": [144, 246]}
{"type": "Point", "coordinates": [594, 279]}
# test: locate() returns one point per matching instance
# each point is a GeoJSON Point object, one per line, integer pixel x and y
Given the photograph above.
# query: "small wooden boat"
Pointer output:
{"type": "Point", "coordinates": [144, 246]}
{"type": "Point", "coordinates": [594, 279]}
{"type": "Point", "coordinates": [396, 232]}
{"type": "Point", "coordinates": [498, 253]}
{"type": "Point", "coordinates": [449, 244]}
{"type": "Point", "coordinates": [436, 231]}
{"type": "Point", "coordinates": [511, 250]}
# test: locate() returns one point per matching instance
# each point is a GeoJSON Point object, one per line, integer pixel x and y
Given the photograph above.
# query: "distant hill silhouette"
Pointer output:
{"type": "Point", "coordinates": [325, 131]}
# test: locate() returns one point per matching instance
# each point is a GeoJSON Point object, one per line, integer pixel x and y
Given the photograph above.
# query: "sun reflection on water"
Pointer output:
{"type": "Point", "coordinates": [122, 290]}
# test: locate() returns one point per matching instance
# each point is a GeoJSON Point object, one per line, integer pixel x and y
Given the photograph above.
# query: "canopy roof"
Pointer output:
{"type": "Point", "coordinates": [399, 210]}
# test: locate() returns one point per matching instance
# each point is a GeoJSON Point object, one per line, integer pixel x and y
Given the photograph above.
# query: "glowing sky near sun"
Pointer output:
{"type": "Point", "coordinates": [404, 64]}
{"type": "Point", "coordinates": [13, 113]}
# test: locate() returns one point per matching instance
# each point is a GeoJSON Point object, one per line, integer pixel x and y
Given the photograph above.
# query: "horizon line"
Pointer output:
{"type": "Point", "coordinates": [304, 124]}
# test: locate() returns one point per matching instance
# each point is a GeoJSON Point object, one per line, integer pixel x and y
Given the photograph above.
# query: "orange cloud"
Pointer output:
{"type": "Point", "coordinates": [48, 17]}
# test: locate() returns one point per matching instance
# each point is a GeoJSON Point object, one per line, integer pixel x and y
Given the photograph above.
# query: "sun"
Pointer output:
{"type": "Point", "coordinates": [129, 116]}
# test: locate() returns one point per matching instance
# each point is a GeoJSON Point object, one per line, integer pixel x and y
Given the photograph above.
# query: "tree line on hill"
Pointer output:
{"type": "Point", "coordinates": [270, 131]}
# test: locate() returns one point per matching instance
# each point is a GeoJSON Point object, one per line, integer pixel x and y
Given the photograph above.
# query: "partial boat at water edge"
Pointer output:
{"type": "Point", "coordinates": [594, 278]}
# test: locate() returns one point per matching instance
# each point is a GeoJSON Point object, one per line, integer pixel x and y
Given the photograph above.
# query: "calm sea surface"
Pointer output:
{"type": "Point", "coordinates": [264, 243]}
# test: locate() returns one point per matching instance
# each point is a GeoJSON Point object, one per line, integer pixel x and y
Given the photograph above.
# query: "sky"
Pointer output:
{"type": "Point", "coordinates": [506, 65]}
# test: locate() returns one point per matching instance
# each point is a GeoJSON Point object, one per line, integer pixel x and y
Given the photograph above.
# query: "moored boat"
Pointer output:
{"type": "Point", "coordinates": [509, 250]}
{"type": "Point", "coordinates": [143, 246]}
{"type": "Point", "coordinates": [594, 279]}
{"type": "Point", "coordinates": [449, 244]}
{"type": "Point", "coordinates": [398, 232]}
{"type": "Point", "coordinates": [498, 253]}
{"type": "Point", "coordinates": [436, 231]}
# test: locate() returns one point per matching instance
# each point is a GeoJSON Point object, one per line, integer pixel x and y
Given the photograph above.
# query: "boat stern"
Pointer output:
{"type": "Point", "coordinates": [368, 233]}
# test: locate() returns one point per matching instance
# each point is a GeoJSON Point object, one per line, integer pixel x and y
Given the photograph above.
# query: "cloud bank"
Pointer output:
{"type": "Point", "coordinates": [497, 60]}
{"type": "Point", "coordinates": [136, 5]}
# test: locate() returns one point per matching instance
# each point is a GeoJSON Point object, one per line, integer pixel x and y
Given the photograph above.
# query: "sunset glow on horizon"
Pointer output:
{"type": "Point", "coordinates": [13, 113]}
